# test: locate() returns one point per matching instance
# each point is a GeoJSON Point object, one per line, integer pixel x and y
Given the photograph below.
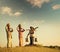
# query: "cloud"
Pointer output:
{"type": "Point", "coordinates": [55, 7]}
{"type": "Point", "coordinates": [38, 3]}
{"type": "Point", "coordinates": [9, 11]}
{"type": "Point", "coordinates": [17, 13]}
{"type": "Point", "coordinates": [6, 10]}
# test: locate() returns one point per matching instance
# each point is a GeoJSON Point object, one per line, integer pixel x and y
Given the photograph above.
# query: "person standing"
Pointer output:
{"type": "Point", "coordinates": [9, 31]}
{"type": "Point", "coordinates": [31, 33]}
{"type": "Point", "coordinates": [20, 34]}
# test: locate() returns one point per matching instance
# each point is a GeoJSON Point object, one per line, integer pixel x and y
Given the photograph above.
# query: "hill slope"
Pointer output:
{"type": "Point", "coordinates": [29, 49]}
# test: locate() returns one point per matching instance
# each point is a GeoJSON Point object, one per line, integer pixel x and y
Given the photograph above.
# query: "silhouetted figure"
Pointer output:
{"type": "Point", "coordinates": [20, 32]}
{"type": "Point", "coordinates": [31, 33]}
{"type": "Point", "coordinates": [9, 35]}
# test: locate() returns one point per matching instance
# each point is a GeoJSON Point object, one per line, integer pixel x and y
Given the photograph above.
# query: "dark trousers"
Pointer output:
{"type": "Point", "coordinates": [31, 40]}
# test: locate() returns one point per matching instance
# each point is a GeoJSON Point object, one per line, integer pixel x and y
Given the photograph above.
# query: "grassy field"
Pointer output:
{"type": "Point", "coordinates": [29, 49]}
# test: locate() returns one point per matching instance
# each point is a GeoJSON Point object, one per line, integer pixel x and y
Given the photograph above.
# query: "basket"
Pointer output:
{"type": "Point", "coordinates": [26, 39]}
{"type": "Point", "coordinates": [35, 39]}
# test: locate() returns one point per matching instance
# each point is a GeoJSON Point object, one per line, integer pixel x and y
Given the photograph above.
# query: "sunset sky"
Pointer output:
{"type": "Point", "coordinates": [42, 13]}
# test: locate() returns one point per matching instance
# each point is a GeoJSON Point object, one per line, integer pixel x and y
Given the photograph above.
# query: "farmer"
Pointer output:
{"type": "Point", "coordinates": [20, 32]}
{"type": "Point", "coordinates": [9, 31]}
{"type": "Point", "coordinates": [31, 33]}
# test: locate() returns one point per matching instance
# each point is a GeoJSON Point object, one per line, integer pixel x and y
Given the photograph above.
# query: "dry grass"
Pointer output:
{"type": "Point", "coordinates": [29, 49]}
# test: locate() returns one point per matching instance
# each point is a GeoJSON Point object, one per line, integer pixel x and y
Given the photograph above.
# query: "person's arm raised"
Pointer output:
{"type": "Point", "coordinates": [36, 27]}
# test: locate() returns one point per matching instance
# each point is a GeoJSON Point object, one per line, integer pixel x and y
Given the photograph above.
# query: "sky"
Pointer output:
{"type": "Point", "coordinates": [42, 13]}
